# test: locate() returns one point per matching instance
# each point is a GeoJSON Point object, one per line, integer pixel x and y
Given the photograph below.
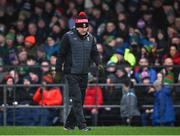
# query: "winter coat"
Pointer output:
{"type": "Point", "coordinates": [76, 52]}
{"type": "Point", "coordinates": [129, 104]}
{"type": "Point", "coordinates": [50, 50]}
{"type": "Point", "coordinates": [163, 107]}
{"type": "Point", "coordinates": [48, 97]}
{"type": "Point", "coordinates": [93, 96]}
{"type": "Point", "coordinates": [151, 72]}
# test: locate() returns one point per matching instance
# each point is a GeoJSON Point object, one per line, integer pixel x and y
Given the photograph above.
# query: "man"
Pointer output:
{"type": "Point", "coordinates": [77, 49]}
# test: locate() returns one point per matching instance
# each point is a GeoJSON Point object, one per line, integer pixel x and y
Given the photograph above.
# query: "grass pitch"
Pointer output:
{"type": "Point", "coordinates": [109, 130]}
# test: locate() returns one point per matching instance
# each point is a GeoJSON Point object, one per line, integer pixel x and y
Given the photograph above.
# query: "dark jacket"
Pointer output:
{"type": "Point", "coordinates": [76, 52]}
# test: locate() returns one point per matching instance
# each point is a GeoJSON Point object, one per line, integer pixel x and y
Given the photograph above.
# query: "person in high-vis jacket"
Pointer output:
{"type": "Point", "coordinates": [78, 48]}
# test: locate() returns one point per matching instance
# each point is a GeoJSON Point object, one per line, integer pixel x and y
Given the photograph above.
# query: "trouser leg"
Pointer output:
{"type": "Point", "coordinates": [83, 86]}
{"type": "Point", "coordinates": [71, 119]}
{"type": "Point", "coordinates": [76, 96]}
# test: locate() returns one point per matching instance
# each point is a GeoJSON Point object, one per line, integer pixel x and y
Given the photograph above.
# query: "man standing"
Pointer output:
{"type": "Point", "coordinates": [77, 49]}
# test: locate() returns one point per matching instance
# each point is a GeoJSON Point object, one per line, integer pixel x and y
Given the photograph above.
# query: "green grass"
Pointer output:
{"type": "Point", "coordinates": [110, 130]}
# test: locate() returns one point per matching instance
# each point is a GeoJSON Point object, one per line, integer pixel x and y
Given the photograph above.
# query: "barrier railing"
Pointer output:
{"type": "Point", "coordinates": [65, 105]}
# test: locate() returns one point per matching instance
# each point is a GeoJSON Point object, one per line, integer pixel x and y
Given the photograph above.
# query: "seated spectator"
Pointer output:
{"type": "Point", "coordinates": [30, 45]}
{"type": "Point", "coordinates": [11, 91]}
{"type": "Point", "coordinates": [51, 46]}
{"type": "Point", "coordinates": [2, 70]}
{"type": "Point", "coordinates": [174, 54]}
{"type": "Point", "coordinates": [25, 94]}
{"type": "Point", "coordinates": [144, 71]}
{"type": "Point", "coordinates": [168, 72]}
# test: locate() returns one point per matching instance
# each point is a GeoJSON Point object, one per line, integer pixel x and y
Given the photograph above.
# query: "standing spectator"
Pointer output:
{"type": "Point", "coordinates": [111, 96]}
{"type": "Point", "coordinates": [47, 96]}
{"type": "Point", "coordinates": [129, 106]}
{"type": "Point", "coordinates": [93, 97]}
{"type": "Point", "coordinates": [163, 111]}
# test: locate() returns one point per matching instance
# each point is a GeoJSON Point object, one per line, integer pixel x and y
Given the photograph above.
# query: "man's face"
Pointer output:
{"type": "Point", "coordinates": [82, 30]}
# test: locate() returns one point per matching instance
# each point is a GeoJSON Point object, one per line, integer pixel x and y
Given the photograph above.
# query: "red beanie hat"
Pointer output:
{"type": "Point", "coordinates": [30, 39]}
{"type": "Point", "coordinates": [81, 20]}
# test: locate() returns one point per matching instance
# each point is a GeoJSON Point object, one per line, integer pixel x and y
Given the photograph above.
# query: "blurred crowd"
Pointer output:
{"type": "Point", "coordinates": [131, 35]}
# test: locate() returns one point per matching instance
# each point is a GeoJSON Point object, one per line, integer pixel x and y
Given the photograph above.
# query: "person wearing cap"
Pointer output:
{"type": "Point", "coordinates": [30, 45]}
{"type": "Point", "coordinates": [78, 47]}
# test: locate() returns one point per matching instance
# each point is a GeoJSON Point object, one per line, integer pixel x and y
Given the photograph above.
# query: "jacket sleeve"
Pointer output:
{"type": "Point", "coordinates": [94, 53]}
{"type": "Point", "coordinates": [37, 96]}
{"type": "Point", "coordinates": [64, 47]}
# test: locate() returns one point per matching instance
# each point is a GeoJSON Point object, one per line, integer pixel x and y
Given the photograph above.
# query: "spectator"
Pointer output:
{"type": "Point", "coordinates": [26, 93]}
{"type": "Point", "coordinates": [168, 72]}
{"type": "Point", "coordinates": [30, 42]}
{"type": "Point", "coordinates": [111, 96]}
{"type": "Point", "coordinates": [51, 46]}
{"type": "Point", "coordinates": [144, 71]}
{"type": "Point", "coordinates": [163, 111]}
{"type": "Point", "coordinates": [129, 107]}
{"type": "Point", "coordinates": [93, 97]}
{"type": "Point", "coordinates": [47, 96]}
{"type": "Point", "coordinates": [174, 54]}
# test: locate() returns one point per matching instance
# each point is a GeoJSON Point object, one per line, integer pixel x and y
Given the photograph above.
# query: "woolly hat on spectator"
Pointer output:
{"type": "Point", "coordinates": [109, 39]}
{"type": "Point", "coordinates": [82, 20]}
{"type": "Point", "coordinates": [30, 39]}
{"type": "Point", "coordinates": [10, 36]}
{"type": "Point", "coordinates": [7, 77]}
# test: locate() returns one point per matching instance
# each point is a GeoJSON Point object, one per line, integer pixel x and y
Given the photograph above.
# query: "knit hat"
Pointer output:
{"type": "Point", "coordinates": [10, 36]}
{"type": "Point", "coordinates": [81, 20]}
{"type": "Point", "coordinates": [7, 77]}
{"type": "Point", "coordinates": [109, 39]}
{"type": "Point", "coordinates": [48, 78]}
{"type": "Point", "coordinates": [30, 39]}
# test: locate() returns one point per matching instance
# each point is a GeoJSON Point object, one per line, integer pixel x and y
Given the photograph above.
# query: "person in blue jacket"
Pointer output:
{"type": "Point", "coordinates": [163, 110]}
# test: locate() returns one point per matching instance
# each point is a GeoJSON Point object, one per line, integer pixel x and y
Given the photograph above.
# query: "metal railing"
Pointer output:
{"type": "Point", "coordinates": [65, 105]}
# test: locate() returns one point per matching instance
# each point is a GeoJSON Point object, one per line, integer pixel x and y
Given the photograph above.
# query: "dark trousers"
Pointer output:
{"type": "Point", "coordinates": [77, 86]}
